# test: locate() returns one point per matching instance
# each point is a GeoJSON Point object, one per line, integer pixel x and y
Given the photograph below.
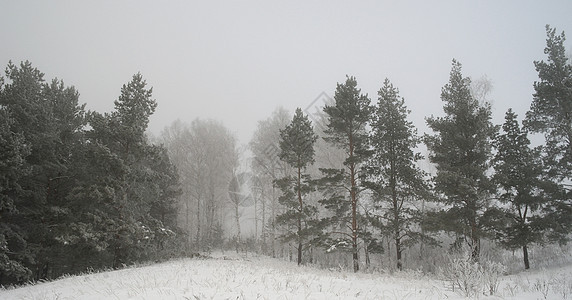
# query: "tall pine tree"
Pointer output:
{"type": "Point", "coordinates": [461, 152]}
{"type": "Point", "coordinates": [13, 151]}
{"type": "Point", "coordinates": [518, 173]}
{"type": "Point", "coordinates": [131, 205]}
{"type": "Point", "coordinates": [551, 114]}
{"type": "Point", "coordinates": [40, 114]}
{"type": "Point", "coordinates": [347, 129]}
{"type": "Point", "coordinates": [393, 175]}
{"type": "Point", "coordinates": [297, 150]}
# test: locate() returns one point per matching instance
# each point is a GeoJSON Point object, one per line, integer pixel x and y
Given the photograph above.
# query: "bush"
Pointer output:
{"type": "Point", "coordinates": [492, 272]}
{"type": "Point", "coordinates": [471, 278]}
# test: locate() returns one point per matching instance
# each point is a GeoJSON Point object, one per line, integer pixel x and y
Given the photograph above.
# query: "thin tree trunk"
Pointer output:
{"type": "Point", "coordinates": [396, 220]}
{"type": "Point", "coordinates": [524, 247]}
{"type": "Point", "coordinates": [367, 260]}
{"type": "Point", "coordinates": [353, 194]}
{"type": "Point", "coordinates": [237, 219]}
{"type": "Point", "coordinates": [255, 218]}
{"type": "Point", "coordinates": [264, 231]}
{"type": "Point", "coordinates": [475, 240]}
{"type": "Point", "coordinates": [398, 252]}
{"type": "Point", "coordinates": [198, 221]}
{"type": "Point", "coordinates": [422, 243]}
{"type": "Point", "coordinates": [187, 224]}
{"type": "Point", "coordinates": [301, 210]}
{"type": "Point", "coordinates": [476, 249]}
{"type": "Point", "coordinates": [273, 225]}
{"type": "Point", "coordinates": [525, 254]}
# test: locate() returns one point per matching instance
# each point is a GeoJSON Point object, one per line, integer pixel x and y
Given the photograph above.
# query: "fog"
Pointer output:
{"type": "Point", "coordinates": [237, 61]}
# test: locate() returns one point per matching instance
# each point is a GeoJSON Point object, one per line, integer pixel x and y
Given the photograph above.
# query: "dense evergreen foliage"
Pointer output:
{"type": "Point", "coordinates": [518, 174]}
{"type": "Point", "coordinates": [461, 150]}
{"type": "Point", "coordinates": [393, 174]}
{"type": "Point", "coordinates": [346, 129]}
{"type": "Point", "coordinates": [551, 114]}
{"type": "Point", "coordinates": [75, 198]}
{"type": "Point", "coordinates": [297, 149]}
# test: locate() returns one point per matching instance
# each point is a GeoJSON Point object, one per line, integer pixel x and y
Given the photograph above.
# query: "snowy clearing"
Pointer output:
{"type": "Point", "coordinates": [264, 278]}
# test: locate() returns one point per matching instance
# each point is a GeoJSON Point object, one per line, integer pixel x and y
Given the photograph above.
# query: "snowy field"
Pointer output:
{"type": "Point", "coordinates": [223, 277]}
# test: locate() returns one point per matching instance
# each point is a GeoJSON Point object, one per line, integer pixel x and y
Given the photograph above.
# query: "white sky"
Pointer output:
{"type": "Point", "coordinates": [236, 61]}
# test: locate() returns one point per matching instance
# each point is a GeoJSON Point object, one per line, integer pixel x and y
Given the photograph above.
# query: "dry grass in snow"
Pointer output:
{"type": "Point", "coordinates": [266, 278]}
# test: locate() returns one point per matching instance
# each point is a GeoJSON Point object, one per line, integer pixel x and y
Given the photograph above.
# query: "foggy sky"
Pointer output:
{"type": "Point", "coordinates": [236, 61]}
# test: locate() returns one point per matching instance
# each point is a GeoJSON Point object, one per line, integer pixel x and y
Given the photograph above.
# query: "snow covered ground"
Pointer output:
{"type": "Point", "coordinates": [238, 277]}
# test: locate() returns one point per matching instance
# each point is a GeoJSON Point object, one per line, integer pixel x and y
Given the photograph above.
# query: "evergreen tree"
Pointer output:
{"type": "Point", "coordinates": [297, 150]}
{"type": "Point", "coordinates": [71, 199]}
{"type": "Point", "coordinates": [551, 114]}
{"type": "Point", "coordinates": [160, 189]}
{"type": "Point", "coordinates": [94, 202]}
{"type": "Point", "coordinates": [461, 152]}
{"type": "Point", "coordinates": [130, 205]}
{"type": "Point", "coordinates": [65, 120]}
{"type": "Point", "coordinates": [49, 118]}
{"type": "Point", "coordinates": [133, 109]}
{"type": "Point", "coordinates": [38, 205]}
{"type": "Point", "coordinates": [393, 175]}
{"type": "Point", "coordinates": [126, 138]}
{"type": "Point", "coordinates": [346, 129]}
{"type": "Point", "coordinates": [518, 172]}
{"type": "Point", "coordinates": [13, 151]}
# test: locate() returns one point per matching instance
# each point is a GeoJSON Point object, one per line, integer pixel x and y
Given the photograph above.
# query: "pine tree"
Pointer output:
{"type": "Point", "coordinates": [13, 151]}
{"type": "Point", "coordinates": [461, 152]}
{"type": "Point", "coordinates": [65, 120]}
{"type": "Point", "coordinates": [393, 175]}
{"type": "Point", "coordinates": [133, 109]}
{"type": "Point", "coordinates": [92, 228]}
{"type": "Point", "coordinates": [127, 125]}
{"type": "Point", "coordinates": [133, 200]}
{"type": "Point", "coordinates": [24, 96]}
{"type": "Point", "coordinates": [518, 173]}
{"type": "Point", "coordinates": [346, 129]}
{"type": "Point", "coordinates": [297, 150]}
{"type": "Point", "coordinates": [551, 114]}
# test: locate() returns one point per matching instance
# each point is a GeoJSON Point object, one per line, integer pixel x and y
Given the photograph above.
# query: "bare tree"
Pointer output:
{"type": "Point", "coordinates": [266, 166]}
{"type": "Point", "coordinates": [203, 153]}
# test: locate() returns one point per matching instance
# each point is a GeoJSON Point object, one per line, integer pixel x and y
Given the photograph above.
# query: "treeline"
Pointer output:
{"type": "Point", "coordinates": [360, 183]}
{"type": "Point", "coordinates": [79, 190]}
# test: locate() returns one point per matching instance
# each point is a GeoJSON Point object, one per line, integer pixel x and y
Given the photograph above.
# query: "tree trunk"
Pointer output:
{"type": "Point", "coordinates": [198, 222]}
{"type": "Point", "coordinates": [263, 230]}
{"type": "Point", "coordinates": [272, 224]}
{"type": "Point", "coordinates": [255, 218]}
{"type": "Point", "coordinates": [476, 248]}
{"type": "Point", "coordinates": [353, 195]}
{"type": "Point", "coordinates": [301, 210]}
{"type": "Point", "coordinates": [237, 219]}
{"type": "Point", "coordinates": [475, 239]}
{"type": "Point", "coordinates": [525, 254]}
{"type": "Point", "coordinates": [476, 251]}
{"type": "Point", "coordinates": [367, 260]}
{"type": "Point", "coordinates": [396, 208]}
{"type": "Point", "coordinates": [299, 253]}
{"type": "Point", "coordinates": [355, 257]}
{"type": "Point", "coordinates": [398, 252]}
{"type": "Point", "coordinates": [311, 260]}
{"type": "Point", "coordinates": [188, 225]}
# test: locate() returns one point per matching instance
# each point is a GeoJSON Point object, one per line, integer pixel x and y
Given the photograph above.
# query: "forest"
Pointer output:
{"type": "Point", "coordinates": [341, 186]}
